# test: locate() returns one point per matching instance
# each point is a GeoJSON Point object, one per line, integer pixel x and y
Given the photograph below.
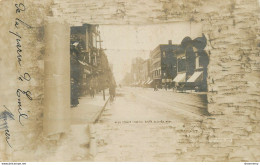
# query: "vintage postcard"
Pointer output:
{"type": "Point", "coordinates": [129, 81]}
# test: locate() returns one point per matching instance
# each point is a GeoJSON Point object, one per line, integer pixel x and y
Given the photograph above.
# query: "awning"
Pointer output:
{"type": "Point", "coordinates": [150, 82]}
{"type": "Point", "coordinates": [75, 44]}
{"type": "Point", "coordinates": [137, 82]}
{"type": "Point", "coordinates": [146, 82]}
{"type": "Point", "coordinates": [83, 63]}
{"type": "Point", "coordinates": [195, 77]}
{"type": "Point", "coordinates": [180, 77]}
{"type": "Point", "coordinates": [87, 71]}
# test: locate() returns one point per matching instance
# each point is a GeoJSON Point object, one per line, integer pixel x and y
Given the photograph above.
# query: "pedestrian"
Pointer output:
{"type": "Point", "coordinates": [74, 93]}
{"type": "Point", "coordinates": [91, 87]}
{"type": "Point", "coordinates": [182, 88]}
{"type": "Point", "coordinates": [165, 87]}
{"type": "Point", "coordinates": [196, 88]}
{"type": "Point", "coordinates": [176, 86]}
{"type": "Point", "coordinates": [112, 92]}
{"type": "Point", "coordinates": [91, 92]}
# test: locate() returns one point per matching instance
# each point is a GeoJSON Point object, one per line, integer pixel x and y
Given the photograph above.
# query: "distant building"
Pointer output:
{"type": "Point", "coordinates": [137, 65]}
{"type": "Point", "coordinates": [127, 80]}
{"type": "Point", "coordinates": [145, 72]}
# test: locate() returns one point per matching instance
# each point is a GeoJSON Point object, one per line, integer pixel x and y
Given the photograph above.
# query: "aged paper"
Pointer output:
{"type": "Point", "coordinates": [129, 80]}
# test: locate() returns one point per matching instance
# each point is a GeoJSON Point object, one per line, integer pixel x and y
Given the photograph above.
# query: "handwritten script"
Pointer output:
{"type": "Point", "coordinates": [4, 117]}
{"type": "Point", "coordinates": [25, 76]}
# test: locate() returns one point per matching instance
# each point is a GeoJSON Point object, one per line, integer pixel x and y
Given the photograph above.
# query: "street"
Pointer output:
{"type": "Point", "coordinates": [144, 125]}
{"type": "Point", "coordinates": [146, 104]}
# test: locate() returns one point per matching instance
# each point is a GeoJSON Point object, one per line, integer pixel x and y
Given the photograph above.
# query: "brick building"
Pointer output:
{"type": "Point", "coordinates": [163, 64]}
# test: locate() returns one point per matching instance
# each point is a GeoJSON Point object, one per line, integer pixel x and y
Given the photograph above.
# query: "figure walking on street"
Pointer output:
{"type": "Point", "coordinates": [112, 92]}
{"type": "Point", "coordinates": [74, 93]}
{"type": "Point", "coordinates": [155, 87]}
{"type": "Point", "coordinates": [91, 88]}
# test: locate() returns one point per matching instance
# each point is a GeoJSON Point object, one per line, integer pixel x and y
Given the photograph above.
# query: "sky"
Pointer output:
{"type": "Point", "coordinates": [122, 43]}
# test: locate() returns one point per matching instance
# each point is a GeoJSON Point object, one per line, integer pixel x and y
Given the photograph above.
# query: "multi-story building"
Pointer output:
{"type": "Point", "coordinates": [163, 64]}
{"type": "Point", "coordinates": [88, 60]}
{"type": "Point", "coordinates": [87, 37]}
{"type": "Point", "coordinates": [145, 72]}
{"type": "Point", "coordinates": [192, 62]}
{"type": "Point", "coordinates": [127, 80]}
{"type": "Point", "coordinates": [136, 71]}
{"type": "Point", "coordinates": [184, 66]}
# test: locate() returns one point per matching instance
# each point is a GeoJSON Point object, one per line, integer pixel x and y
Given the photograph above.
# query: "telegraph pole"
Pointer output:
{"type": "Point", "coordinates": [99, 54]}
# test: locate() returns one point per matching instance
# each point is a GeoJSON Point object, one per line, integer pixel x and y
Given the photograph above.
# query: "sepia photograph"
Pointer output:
{"type": "Point", "coordinates": [130, 81]}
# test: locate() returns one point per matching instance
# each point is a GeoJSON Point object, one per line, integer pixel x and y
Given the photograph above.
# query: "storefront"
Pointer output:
{"type": "Point", "coordinates": [192, 63]}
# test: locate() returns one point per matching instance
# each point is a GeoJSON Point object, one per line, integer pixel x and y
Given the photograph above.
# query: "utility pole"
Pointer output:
{"type": "Point", "coordinates": [99, 54]}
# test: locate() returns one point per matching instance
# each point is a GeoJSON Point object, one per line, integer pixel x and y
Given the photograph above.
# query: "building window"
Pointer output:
{"type": "Point", "coordinates": [197, 62]}
{"type": "Point", "coordinates": [181, 64]}
{"type": "Point", "coordinates": [94, 40]}
{"type": "Point", "coordinates": [201, 62]}
{"type": "Point", "coordinates": [164, 54]}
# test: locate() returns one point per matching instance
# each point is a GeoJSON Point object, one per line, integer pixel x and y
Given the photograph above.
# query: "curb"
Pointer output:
{"type": "Point", "coordinates": [100, 113]}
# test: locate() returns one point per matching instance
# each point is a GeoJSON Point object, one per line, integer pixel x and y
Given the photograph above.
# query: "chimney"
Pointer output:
{"type": "Point", "coordinates": [170, 42]}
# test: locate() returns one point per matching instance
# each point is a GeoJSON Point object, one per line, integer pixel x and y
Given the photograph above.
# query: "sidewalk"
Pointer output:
{"type": "Point", "coordinates": [88, 109]}
{"type": "Point", "coordinates": [83, 119]}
